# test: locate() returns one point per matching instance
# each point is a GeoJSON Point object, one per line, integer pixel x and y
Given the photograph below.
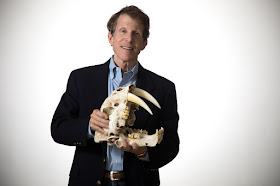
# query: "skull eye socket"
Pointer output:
{"type": "Point", "coordinates": [108, 110]}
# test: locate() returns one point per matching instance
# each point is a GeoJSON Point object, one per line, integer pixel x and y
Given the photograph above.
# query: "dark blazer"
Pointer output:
{"type": "Point", "coordinates": [87, 88]}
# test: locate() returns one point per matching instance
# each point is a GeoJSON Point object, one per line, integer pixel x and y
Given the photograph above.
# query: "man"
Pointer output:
{"type": "Point", "coordinates": [77, 116]}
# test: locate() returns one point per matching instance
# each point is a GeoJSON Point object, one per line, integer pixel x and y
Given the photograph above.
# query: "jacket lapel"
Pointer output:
{"type": "Point", "coordinates": [144, 82]}
{"type": "Point", "coordinates": [101, 80]}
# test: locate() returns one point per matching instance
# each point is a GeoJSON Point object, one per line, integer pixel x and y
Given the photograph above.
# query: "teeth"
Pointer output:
{"type": "Point", "coordinates": [133, 136]}
{"type": "Point", "coordinates": [128, 48]}
{"type": "Point", "coordinates": [156, 133]}
{"type": "Point", "coordinates": [146, 95]}
{"type": "Point", "coordinates": [125, 116]}
{"type": "Point", "coordinates": [135, 99]}
{"type": "Point", "coordinates": [126, 113]}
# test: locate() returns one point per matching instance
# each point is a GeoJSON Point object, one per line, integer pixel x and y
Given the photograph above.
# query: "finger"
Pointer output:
{"type": "Point", "coordinates": [125, 145]}
{"type": "Point", "coordinates": [100, 122]}
{"type": "Point", "coordinates": [98, 114]}
{"type": "Point", "coordinates": [97, 120]}
{"type": "Point", "coordinates": [95, 123]}
{"type": "Point", "coordinates": [135, 146]}
{"type": "Point", "coordinates": [101, 114]}
{"type": "Point", "coordinates": [97, 128]}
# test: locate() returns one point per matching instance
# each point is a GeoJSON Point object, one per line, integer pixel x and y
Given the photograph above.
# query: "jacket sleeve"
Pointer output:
{"type": "Point", "coordinates": [168, 149]}
{"type": "Point", "coordinates": [67, 126]}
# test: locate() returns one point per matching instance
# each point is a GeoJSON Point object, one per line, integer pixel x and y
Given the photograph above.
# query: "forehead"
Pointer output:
{"type": "Point", "coordinates": [126, 21]}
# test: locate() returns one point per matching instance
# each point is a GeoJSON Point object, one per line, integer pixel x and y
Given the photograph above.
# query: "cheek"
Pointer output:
{"type": "Point", "coordinates": [143, 46]}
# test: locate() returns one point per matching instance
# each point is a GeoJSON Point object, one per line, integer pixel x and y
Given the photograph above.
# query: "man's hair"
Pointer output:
{"type": "Point", "coordinates": [135, 13]}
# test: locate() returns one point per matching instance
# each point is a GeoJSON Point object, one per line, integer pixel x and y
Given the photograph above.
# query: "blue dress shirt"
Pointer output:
{"type": "Point", "coordinates": [114, 159]}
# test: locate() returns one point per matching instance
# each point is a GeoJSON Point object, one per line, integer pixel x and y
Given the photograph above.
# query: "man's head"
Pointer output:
{"type": "Point", "coordinates": [128, 33]}
{"type": "Point", "coordinates": [134, 13]}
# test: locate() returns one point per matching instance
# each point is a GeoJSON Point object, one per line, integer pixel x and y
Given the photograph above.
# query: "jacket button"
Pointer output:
{"type": "Point", "coordinates": [98, 182]}
{"type": "Point", "coordinates": [104, 160]}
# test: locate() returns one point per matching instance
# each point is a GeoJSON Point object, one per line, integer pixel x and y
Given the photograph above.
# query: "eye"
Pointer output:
{"type": "Point", "coordinates": [116, 104]}
{"type": "Point", "coordinates": [123, 31]}
{"type": "Point", "coordinates": [137, 34]}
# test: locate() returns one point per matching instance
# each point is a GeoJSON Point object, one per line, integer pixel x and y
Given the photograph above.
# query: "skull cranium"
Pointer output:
{"type": "Point", "coordinates": [120, 107]}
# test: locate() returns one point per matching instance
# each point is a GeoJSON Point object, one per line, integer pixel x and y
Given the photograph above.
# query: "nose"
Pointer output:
{"type": "Point", "coordinates": [129, 36]}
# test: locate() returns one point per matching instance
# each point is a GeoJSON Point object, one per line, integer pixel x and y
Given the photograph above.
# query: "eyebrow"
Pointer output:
{"type": "Point", "coordinates": [135, 30]}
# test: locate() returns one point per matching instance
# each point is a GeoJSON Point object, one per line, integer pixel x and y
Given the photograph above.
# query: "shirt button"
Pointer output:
{"type": "Point", "coordinates": [117, 161]}
{"type": "Point", "coordinates": [98, 182]}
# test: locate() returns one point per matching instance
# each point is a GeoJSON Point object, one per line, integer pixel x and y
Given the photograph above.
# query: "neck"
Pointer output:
{"type": "Point", "coordinates": [126, 66]}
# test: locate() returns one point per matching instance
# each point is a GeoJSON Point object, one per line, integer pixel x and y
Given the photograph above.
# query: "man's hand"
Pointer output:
{"type": "Point", "coordinates": [134, 148]}
{"type": "Point", "coordinates": [98, 121]}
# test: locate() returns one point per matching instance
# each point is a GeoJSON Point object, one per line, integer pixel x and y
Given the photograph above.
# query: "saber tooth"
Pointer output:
{"type": "Point", "coordinates": [146, 95]}
{"type": "Point", "coordinates": [135, 99]}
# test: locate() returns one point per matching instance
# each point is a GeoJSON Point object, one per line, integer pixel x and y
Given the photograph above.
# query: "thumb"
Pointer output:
{"type": "Point", "coordinates": [135, 146]}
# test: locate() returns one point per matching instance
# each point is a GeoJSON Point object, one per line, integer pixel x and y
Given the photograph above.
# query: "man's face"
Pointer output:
{"type": "Point", "coordinates": [127, 40]}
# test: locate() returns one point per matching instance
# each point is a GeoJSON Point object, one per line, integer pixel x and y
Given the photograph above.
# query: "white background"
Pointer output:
{"type": "Point", "coordinates": [223, 56]}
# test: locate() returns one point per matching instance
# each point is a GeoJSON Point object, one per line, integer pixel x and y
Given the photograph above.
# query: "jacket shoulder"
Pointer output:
{"type": "Point", "coordinates": [158, 80]}
{"type": "Point", "coordinates": [90, 69]}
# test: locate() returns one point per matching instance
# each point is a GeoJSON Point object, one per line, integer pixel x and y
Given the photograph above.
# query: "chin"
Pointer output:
{"type": "Point", "coordinates": [125, 58]}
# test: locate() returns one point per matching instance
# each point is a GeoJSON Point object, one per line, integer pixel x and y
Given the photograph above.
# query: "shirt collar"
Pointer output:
{"type": "Point", "coordinates": [113, 71]}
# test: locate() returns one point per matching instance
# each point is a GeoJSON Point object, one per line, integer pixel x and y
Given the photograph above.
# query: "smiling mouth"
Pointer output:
{"type": "Point", "coordinates": [127, 48]}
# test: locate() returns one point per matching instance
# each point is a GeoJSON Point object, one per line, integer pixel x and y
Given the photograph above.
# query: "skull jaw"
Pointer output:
{"type": "Point", "coordinates": [141, 138]}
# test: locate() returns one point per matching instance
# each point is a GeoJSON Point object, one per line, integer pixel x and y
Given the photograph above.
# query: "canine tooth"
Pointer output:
{"type": "Point", "coordinates": [146, 95]}
{"type": "Point", "coordinates": [135, 99]}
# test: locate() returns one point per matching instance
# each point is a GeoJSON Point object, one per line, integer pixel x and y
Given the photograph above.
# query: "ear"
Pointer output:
{"type": "Point", "coordinates": [110, 38]}
{"type": "Point", "coordinates": [145, 44]}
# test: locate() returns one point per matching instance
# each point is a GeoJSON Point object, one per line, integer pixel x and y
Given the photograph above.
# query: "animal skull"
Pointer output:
{"type": "Point", "coordinates": [120, 107]}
